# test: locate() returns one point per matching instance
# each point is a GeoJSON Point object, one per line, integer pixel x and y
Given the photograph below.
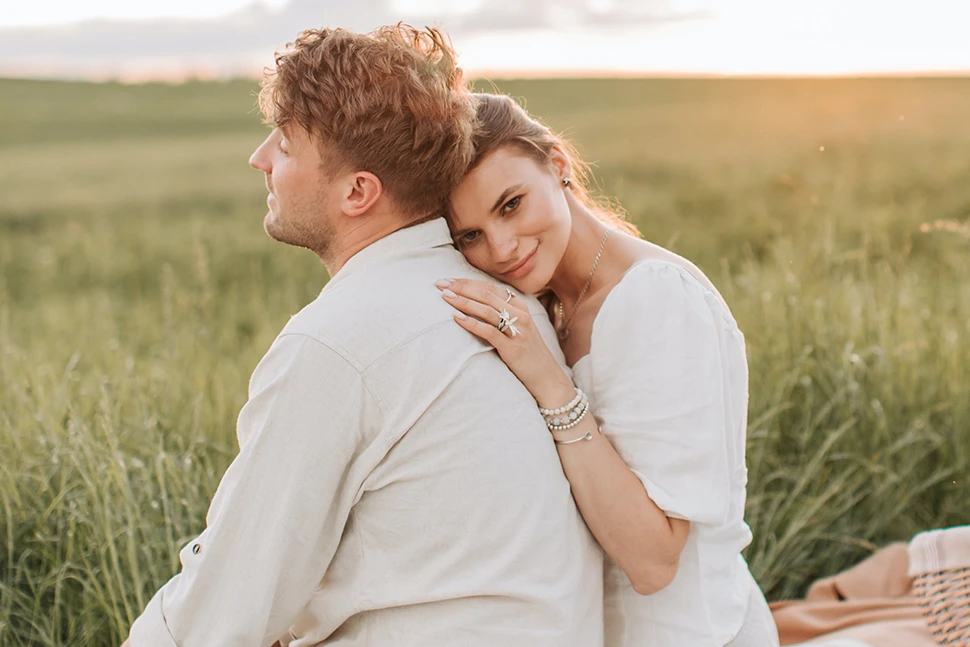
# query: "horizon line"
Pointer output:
{"type": "Point", "coordinates": [201, 75]}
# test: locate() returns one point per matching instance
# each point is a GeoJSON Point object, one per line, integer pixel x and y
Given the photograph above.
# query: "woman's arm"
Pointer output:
{"type": "Point", "coordinates": [630, 527]}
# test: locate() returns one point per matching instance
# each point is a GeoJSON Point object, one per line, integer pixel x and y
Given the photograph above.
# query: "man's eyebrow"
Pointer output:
{"type": "Point", "coordinates": [505, 194]}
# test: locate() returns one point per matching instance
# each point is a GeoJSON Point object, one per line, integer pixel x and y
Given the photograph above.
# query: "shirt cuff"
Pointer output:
{"type": "Point", "coordinates": [150, 629]}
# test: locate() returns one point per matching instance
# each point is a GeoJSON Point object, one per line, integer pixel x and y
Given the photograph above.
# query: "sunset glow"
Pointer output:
{"type": "Point", "coordinates": [753, 37]}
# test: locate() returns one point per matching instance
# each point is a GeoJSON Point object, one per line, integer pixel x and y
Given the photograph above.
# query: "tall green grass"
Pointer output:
{"type": "Point", "coordinates": [138, 291]}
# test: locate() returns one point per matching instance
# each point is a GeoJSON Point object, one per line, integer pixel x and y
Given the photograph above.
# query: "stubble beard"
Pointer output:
{"type": "Point", "coordinates": [312, 228]}
{"type": "Point", "coordinates": [317, 236]}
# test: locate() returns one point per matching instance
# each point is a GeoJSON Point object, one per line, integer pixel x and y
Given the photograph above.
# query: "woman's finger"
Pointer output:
{"type": "Point", "coordinates": [496, 296]}
{"type": "Point", "coordinates": [484, 312]}
{"type": "Point", "coordinates": [481, 329]}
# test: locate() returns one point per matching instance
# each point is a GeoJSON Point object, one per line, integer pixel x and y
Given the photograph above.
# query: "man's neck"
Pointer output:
{"type": "Point", "coordinates": [361, 235]}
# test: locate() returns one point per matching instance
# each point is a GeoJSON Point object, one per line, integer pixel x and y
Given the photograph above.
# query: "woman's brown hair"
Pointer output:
{"type": "Point", "coordinates": [502, 122]}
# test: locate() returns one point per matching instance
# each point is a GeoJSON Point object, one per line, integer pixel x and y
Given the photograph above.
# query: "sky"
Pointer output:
{"type": "Point", "coordinates": [45, 12]}
{"type": "Point", "coordinates": [603, 36]}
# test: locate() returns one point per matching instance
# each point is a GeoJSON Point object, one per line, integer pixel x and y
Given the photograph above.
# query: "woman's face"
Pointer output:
{"type": "Point", "coordinates": [510, 218]}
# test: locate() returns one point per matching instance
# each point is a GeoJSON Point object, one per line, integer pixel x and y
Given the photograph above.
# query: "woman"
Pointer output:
{"type": "Point", "coordinates": [651, 428]}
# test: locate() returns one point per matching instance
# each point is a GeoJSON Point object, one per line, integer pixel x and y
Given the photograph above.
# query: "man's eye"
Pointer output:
{"type": "Point", "coordinates": [511, 205]}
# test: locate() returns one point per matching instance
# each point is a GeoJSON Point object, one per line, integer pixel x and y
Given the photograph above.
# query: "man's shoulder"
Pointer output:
{"type": "Point", "coordinates": [322, 321]}
{"type": "Point", "coordinates": [365, 315]}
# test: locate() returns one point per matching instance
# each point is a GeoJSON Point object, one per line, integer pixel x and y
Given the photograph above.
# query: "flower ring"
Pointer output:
{"type": "Point", "coordinates": [507, 322]}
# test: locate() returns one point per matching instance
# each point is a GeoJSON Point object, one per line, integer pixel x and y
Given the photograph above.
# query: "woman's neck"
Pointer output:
{"type": "Point", "coordinates": [573, 272]}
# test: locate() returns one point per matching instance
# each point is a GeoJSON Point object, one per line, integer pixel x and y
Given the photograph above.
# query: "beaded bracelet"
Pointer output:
{"type": "Point", "coordinates": [571, 405]}
{"type": "Point", "coordinates": [569, 416]}
{"type": "Point", "coordinates": [575, 421]}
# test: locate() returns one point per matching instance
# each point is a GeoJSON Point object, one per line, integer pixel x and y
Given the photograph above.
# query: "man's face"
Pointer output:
{"type": "Point", "coordinates": [303, 200]}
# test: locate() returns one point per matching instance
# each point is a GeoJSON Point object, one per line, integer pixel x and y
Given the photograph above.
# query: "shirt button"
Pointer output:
{"type": "Point", "coordinates": [196, 549]}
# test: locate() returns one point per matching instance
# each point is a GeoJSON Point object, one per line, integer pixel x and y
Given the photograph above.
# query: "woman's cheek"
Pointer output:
{"type": "Point", "coordinates": [479, 261]}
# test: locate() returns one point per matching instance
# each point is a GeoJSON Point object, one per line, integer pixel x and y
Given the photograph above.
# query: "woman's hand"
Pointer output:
{"type": "Point", "coordinates": [480, 307]}
{"type": "Point", "coordinates": [610, 496]}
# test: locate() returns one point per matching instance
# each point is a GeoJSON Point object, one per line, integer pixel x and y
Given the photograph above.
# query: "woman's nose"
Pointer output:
{"type": "Point", "coordinates": [503, 248]}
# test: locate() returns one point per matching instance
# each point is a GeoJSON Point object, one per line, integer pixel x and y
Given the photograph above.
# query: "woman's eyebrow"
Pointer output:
{"type": "Point", "coordinates": [505, 194]}
{"type": "Point", "coordinates": [460, 233]}
{"type": "Point", "coordinates": [498, 205]}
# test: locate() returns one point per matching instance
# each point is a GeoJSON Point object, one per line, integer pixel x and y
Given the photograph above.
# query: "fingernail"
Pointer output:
{"type": "Point", "coordinates": [443, 283]}
{"type": "Point", "coordinates": [449, 293]}
{"type": "Point", "coordinates": [461, 315]}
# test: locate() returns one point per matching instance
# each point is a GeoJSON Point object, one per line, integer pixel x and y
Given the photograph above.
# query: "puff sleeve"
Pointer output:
{"type": "Point", "coordinates": [660, 355]}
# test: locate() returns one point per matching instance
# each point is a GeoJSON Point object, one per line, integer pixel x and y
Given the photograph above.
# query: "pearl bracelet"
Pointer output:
{"type": "Point", "coordinates": [571, 405]}
{"type": "Point", "coordinates": [569, 416]}
{"type": "Point", "coordinates": [574, 418]}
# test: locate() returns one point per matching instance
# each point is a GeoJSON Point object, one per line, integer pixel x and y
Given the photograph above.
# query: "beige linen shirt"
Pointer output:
{"type": "Point", "coordinates": [395, 485]}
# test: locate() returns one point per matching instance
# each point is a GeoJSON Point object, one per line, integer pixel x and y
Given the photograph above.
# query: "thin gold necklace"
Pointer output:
{"type": "Point", "coordinates": [563, 332]}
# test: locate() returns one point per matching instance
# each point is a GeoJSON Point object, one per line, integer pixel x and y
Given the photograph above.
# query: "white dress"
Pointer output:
{"type": "Point", "coordinates": [667, 380]}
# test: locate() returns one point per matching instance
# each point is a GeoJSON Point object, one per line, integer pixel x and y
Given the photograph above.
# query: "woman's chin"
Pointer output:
{"type": "Point", "coordinates": [532, 283]}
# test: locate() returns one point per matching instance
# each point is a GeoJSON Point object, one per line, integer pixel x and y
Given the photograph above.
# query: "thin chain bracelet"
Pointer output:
{"type": "Point", "coordinates": [571, 405]}
{"type": "Point", "coordinates": [587, 436]}
{"type": "Point", "coordinates": [570, 425]}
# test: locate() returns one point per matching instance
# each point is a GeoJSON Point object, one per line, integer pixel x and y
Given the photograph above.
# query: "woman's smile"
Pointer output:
{"type": "Point", "coordinates": [522, 266]}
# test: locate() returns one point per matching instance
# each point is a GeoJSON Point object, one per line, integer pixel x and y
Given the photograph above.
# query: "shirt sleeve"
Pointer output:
{"type": "Point", "coordinates": [279, 511]}
{"type": "Point", "coordinates": [660, 391]}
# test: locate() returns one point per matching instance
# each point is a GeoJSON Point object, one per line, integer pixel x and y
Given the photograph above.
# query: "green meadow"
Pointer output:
{"type": "Point", "coordinates": [138, 292]}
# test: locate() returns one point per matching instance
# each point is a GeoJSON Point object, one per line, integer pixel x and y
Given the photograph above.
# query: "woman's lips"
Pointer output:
{"type": "Point", "coordinates": [523, 267]}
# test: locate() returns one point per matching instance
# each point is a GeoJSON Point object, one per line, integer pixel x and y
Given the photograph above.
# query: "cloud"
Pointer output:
{"type": "Point", "coordinates": [243, 42]}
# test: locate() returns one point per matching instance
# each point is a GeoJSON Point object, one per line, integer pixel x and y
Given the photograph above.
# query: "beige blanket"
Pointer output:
{"type": "Point", "coordinates": [873, 603]}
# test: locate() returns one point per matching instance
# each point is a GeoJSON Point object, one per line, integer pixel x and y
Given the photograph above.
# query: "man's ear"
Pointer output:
{"type": "Point", "coordinates": [561, 163]}
{"type": "Point", "coordinates": [363, 190]}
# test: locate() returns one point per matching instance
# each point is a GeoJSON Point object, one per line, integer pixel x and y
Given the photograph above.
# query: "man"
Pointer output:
{"type": "Point", "coordinates": [395, 483]}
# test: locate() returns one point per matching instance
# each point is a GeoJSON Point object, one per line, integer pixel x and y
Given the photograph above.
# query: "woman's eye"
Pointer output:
{"type": "Point", "coordinates": [468, 238]}
{"type": "Point", "coordinates": [511, 205]}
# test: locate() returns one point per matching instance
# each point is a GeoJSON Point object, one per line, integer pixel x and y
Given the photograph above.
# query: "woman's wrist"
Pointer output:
{"type": "Point", "coordinates": [556, 394]}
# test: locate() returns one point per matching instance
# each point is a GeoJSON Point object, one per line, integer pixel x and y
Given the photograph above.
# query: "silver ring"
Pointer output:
{"type": "Point", "coordinates": [507, 322]}
{"type": "Point", "coordinates": [510, 295]}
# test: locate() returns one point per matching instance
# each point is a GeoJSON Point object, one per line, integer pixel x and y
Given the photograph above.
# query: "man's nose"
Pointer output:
{"type": "Point", "coordinates": [259, 160]}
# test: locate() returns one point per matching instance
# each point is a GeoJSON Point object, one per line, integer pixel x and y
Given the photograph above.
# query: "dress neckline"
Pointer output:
{"type": "Point", "coordinates": [626, 273]}
{"type": "Point", "coordinates": [592, 328]}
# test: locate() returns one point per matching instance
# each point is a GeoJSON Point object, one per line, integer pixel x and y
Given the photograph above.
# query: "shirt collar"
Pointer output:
{"type": "Point", "coordinates": [406, 241]}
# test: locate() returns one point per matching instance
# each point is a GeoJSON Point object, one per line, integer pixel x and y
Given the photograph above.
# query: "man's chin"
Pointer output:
{"type": "Point", "coordinates": [274, 229]}
{"type": "Point", "coordinates": [278, 231]}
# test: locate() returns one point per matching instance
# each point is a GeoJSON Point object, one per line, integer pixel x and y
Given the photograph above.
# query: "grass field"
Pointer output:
{"type": "Point", "coordinates": [138, 291]}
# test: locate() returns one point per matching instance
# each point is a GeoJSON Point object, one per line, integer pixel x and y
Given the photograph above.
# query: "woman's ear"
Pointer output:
{"type": "Point", "coordinates": [363, 190]}
{"type": "Point", "coordinates": [560, 162]}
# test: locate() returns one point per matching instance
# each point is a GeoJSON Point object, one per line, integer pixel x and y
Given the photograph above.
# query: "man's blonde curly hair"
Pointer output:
{"type": "Point", "coordinates": [391, 102]}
